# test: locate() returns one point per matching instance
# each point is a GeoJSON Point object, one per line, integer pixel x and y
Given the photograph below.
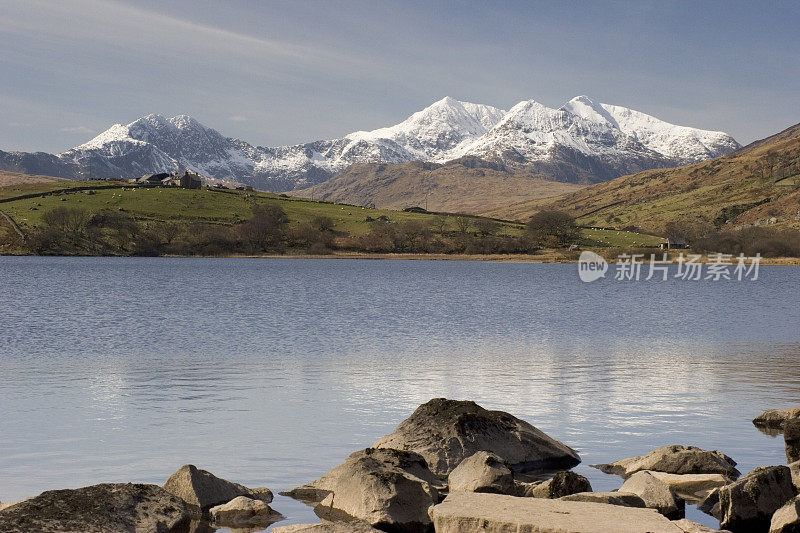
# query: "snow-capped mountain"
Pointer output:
{"type": "Point", "coordinates": [582, 141]}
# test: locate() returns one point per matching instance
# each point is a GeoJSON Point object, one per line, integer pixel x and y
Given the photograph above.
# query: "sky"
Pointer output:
{"type": "Point", "coordinates": [275, 73]}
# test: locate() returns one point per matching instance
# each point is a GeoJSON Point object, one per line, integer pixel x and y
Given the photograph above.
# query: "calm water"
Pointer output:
{"type": "Point", "coordinates": [270, 372]}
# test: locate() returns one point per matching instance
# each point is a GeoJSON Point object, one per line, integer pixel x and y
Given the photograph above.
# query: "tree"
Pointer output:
{"type": "Point", "coordinates": [463, 224]}
{"type": "Point", "coordinates": [557, 225]}
{"type": "Point", "coordinates": [265, 230]}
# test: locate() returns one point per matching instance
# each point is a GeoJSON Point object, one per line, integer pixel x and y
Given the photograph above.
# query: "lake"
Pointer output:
{"type": "Point", "coordinates": [271, 371]}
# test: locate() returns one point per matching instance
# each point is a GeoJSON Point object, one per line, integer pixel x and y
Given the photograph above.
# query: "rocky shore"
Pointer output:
{"type": "Point", "coordinates": [453, 467]}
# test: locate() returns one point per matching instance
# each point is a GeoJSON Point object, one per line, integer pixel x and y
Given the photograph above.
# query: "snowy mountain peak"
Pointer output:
{"type": "Point", "coordinates": [582, 141]}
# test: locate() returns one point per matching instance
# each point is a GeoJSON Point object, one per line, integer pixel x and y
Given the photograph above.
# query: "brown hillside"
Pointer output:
{"type": "Point", "coordinates": [758, 185]}
{"type": "Point", "coordinates": [472, 187]}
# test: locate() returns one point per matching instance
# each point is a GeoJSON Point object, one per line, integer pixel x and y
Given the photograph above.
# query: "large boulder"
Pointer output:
{"type": "Point", "coordinates": [562, 484]}
{"type": "Point", "coordinates": [748, 504]}
{"type": "Point", "coordinates": [482, 472]}
{"type": "Point", "coordinates": [201, 489]}
{"type": "Point", "coordinates": [445, 432]}
{"type": "Point", "coordinates": [655, 493]}
{"type": "Point", "coordinates": [243, 511]}
{"type": "Point", "coordinates": [117, 507]}
{"type": "Point", "coordinates": [710, 504]}
{"type": "Point", "coordinates": [776, 418]}
{"type": "Point", "coordinates": [411, 463]}
{"type": "Point", "coordinates": [375, 486]}
{"type": "Point", "coordinates": [787, 518]}
{"type": "Point", "coordinates": [675, 459]}
{"type": "Point", "coordinates": [626, 499]}
{"type": "Point", "coordinates": [791, 437]}
{"type": "Point", "coordinates": [472, 512]}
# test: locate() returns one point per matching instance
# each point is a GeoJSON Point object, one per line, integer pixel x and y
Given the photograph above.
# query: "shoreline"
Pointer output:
{"type": "Point", "coordinates": [547, 256]}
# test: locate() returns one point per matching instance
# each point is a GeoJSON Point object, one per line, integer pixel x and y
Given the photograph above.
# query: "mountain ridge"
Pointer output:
{"type": "Point", "coordinates": [580, 142]}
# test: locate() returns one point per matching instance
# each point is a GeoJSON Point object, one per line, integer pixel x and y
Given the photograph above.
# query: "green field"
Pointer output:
{"type": "Point", "coordinates": [228, 207]}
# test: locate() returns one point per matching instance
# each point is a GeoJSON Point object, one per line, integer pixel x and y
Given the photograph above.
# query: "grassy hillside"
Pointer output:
{"type": "Point", "coordinates": [184, 210]}
{"type": "Point", "coordinates": [463, 186]}
{"type": "Point", "coordinates": [759, 184]}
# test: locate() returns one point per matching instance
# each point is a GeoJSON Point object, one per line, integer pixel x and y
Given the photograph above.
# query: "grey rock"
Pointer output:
{"type": "Point", "coordinates": [626, 499]}
{"type": "Point", "coordinates": [675, 459]}
{"type": "Point", "coordinates": [472, 512]}
{"type": "Point", "coordinates": [104, 508]}
{"type": "Point", "coordinates": [482, 472]}
{"type": "Point", "coordinates": [261, 493]}
{"type": "Point", "coordinates": [710, 504]}
{"type": "Point", "coordinates": [787, 518]}
{"type": "Point", "coordinates": [562, 484]}
{"type": "Point", "coordinates": [378, 487]}
{"type": "Point", "coordinates": [748, 504]}
{"type": "Point", "coordinates": [411, 463]}
{"type": "Point", "coordinates": [244, 511]}
{"type": "Point", "coordinates": [353, 526]}
{"type": "Point", "coordinates": [791, 437]}
{"type": "Point", "coordinates": [775, 418]}
{"type": "Point", "coordinates": [655, 493]}
{"type": "Point", "coordinates": [201, 489]}
{"type": "Point", "coordinates": [445, 432]}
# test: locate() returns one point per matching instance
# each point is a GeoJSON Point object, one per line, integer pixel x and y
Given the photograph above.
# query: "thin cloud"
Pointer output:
{"type": "Point", "coordinates": [77, 129]}
{"type": "Point", "coordinates": [237, 118]}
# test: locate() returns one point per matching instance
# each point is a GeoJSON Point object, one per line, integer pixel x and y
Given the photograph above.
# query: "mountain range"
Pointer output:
{"type": "Point", "coordinates": [580, 142]}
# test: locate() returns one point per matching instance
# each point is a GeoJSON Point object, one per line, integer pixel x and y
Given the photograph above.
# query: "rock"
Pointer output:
{"type": "Point", "coordinates": [261, 493]}
{"type": "Point", "coordinates": [244, 511]}
{"type": "Point", "coordinates": [409, 462]}
{"type": "Point", "coordinates": [791, 436]}
{"type": "Point", "coordinates": [523, 489]}
{"type": "Point", "coordinates": [626, 499]}
{"type": "Point", "coordinates": [787, 518]}
{"type": "Point", "coordinates": [472, 512]}
{"type": "Point", "coordinates": [693, 487]}
{"type": "Point", "coordinates": [481, 472]}
{"type": "Point", "coordinates": [675, 459]}
{"type": "Point", "coordinates": [354, 526]}
{"type": "Point", "coordinates": [775, 418]}
{"type": "Point", "coordinates": [655, 493]}
{"type": "Point", "coordinates": [445, 432]}
{"type": "Point", "coordinates": [748, 504]}
{"type": "Point", "coordinates": [710, 504]}
{"type": "Point", "coordinates": [795, 470]}
{"type": "Point", "coordinates": [378, 487]}
{"type": "Point", "coordinates": [98, 509]}
{"type": "Point", "coordinates": [687, 526]}
{"type": "Point", "coordinates": [201, 489]}
{"type": "Point", "coordinates": [562, 484]}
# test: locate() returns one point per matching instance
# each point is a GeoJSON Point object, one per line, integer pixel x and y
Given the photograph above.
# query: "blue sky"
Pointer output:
{"type": "Point", "coordinates": [274, 72]}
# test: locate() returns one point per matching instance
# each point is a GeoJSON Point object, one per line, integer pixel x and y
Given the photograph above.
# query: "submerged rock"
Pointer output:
{"type": "Point", "coordinates": [244, 511]}
{"type": "Point", "coordinates": [201, 489]}
{"type": "Point", "coordinates": [467, 512]}
{"type": "Point", "coordinates": [379, 487]}
{"type": "Point", "coordinates": [445, 432]}
{"type": "Point", "coordinates": [626, 499]}
{"type": "Point", "coordinates": [787, 518]}
{"type": "Point", "coordinates": [562, 484]}
{"type": "Point", "coordinates": [675, 459]}
{"type": "Point", "coordinates": [117, 507]}
{"type": "Point", "coordinates": [655, 493]}
{"type": "Point", "coordinates": [775, 418]}
{"type": "Point", "coordinates": [482, 472]}
{"type": "Point", "coordinates": [748, 504]}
